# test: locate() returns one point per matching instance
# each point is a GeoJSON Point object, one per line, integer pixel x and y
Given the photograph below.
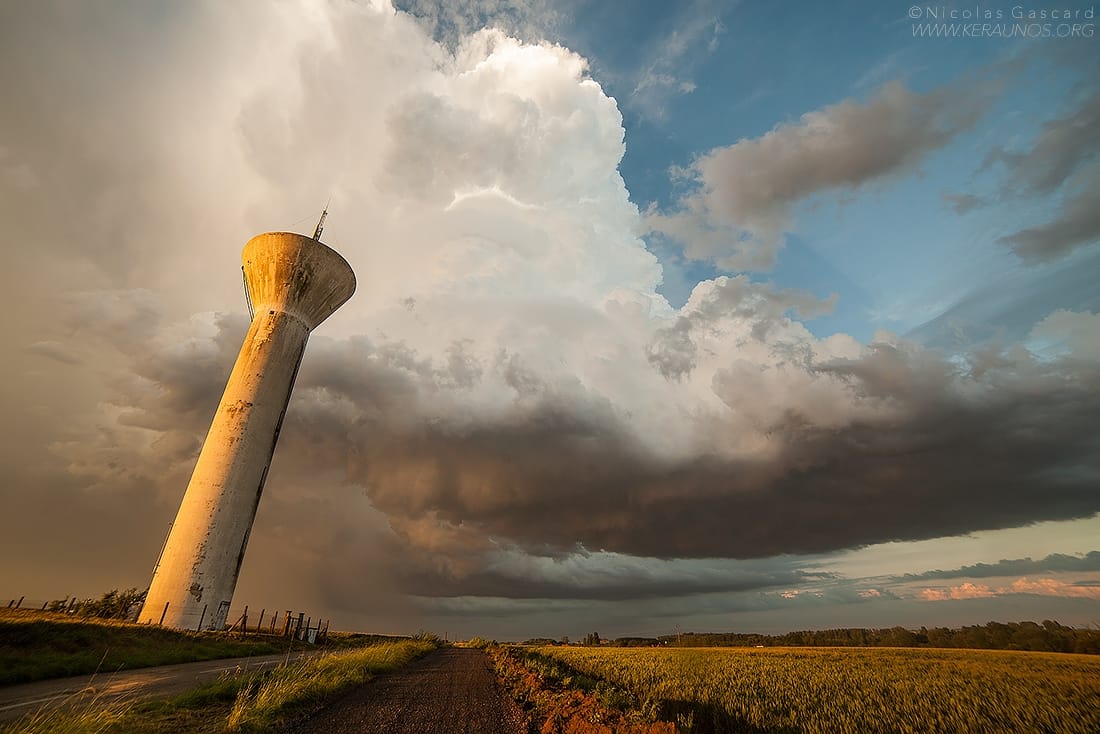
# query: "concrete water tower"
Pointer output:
{"type": "Point", "coordinates": [294, 283]}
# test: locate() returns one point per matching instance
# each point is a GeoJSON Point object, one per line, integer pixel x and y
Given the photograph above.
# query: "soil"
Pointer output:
{"type": "Point", "coordinates": [450, 691]}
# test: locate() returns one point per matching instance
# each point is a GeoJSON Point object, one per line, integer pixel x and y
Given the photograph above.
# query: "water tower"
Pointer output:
{"type": "Point", "coordinates": [294, 283]}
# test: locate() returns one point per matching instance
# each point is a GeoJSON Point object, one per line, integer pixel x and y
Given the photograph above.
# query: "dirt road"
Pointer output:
{"type": "Point", "coordinates": [451, 691]}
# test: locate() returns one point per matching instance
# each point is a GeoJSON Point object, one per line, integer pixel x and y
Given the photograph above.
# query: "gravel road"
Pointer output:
{"type": "Point", "coordinates": [450, 691]}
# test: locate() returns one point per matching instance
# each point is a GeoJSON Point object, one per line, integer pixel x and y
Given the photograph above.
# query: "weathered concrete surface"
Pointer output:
{"type": "Point", "coordinates": [295, 283]}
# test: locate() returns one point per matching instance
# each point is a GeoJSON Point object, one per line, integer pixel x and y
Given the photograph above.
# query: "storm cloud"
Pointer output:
{"type": "Point", "coordinates": [1054, 563]}
{"type": "Point", "coordinates": [507, 408]}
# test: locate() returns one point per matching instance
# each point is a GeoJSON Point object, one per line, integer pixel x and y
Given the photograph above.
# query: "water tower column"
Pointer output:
{"type": "Point", "coordinates": [295, 282]}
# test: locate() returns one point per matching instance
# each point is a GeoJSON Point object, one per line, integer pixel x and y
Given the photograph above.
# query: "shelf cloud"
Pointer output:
{"type": "Point", "coordinates": [508, 393]}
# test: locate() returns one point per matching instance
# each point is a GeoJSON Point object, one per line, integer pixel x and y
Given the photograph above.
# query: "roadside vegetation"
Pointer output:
{"type": "Point", "coordinates": [38, 645]}
{"type": "Point", "coordinates": [556, 699]}
{"type": "Point", "coordinates": [843, 689]}
{"type": "Point", "coordinates": [246, 702]}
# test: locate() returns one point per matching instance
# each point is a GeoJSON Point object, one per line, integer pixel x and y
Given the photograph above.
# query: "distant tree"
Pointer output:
{"type": "Point", "coordinates": [114, 604]}
{"type": "Point", "coordinates": [1049, 636]}
{"type": "Point", "coordinates": [57, 605]}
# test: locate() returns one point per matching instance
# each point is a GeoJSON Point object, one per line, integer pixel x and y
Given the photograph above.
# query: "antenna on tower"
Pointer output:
{"type": "Point", "coordinates": [321, 223]}
{"type": "Point", "coordinates": [248, 296]}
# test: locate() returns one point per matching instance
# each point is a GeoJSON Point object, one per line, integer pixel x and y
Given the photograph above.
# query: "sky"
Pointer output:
{"type": "Point", "coordinates": [711, 316]}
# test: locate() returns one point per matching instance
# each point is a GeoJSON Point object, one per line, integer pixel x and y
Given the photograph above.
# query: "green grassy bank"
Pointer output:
{"type": "Point", "coordinates": [243, 702]}
{"type": "Point", "coordinates": [41, 645]}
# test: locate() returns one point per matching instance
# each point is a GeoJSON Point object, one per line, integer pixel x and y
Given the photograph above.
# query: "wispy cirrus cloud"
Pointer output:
{"type": "Point", "coordinates": [665, 74]}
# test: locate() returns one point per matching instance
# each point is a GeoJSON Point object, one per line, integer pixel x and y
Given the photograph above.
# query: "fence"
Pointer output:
{"type": "Point", "coordinates": [288, 624]}
{"type": "Point", "coordinates": [296, 626]}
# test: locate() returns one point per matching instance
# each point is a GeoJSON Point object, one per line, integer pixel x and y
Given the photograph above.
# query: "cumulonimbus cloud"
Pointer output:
{"type": "Point", "coordinates": [507, 382]}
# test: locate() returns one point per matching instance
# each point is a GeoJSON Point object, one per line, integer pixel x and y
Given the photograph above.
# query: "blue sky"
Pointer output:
{"type": "Point", "coordinates": [748, 316]}
{"type": "Point", "coordinates": [752, 66]}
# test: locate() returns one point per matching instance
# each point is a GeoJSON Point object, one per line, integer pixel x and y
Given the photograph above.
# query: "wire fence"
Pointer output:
{"type": "Point", "coordinates": [243, 622]}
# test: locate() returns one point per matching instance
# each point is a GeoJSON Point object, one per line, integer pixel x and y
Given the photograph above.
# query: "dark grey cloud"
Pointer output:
{"type": "Point", "coordinates": [563, 469]}
{"type": "Point", "coordinates": [507, 423]}
{"type": "Point", "coordinates": [1061, 161]}
{"type": "Point", "coordinates": [1076, 224]}
{"type": "Point", "coordinates": [1054, 563]}
{"type": "Point", "coordinates": [560, 471]}
{"type": "Point", "coordinates": [1063, 147]}
{"type": "Point", "coordinates": [606, 577]}
{"type": "Point", "coordinates": [746, 191]}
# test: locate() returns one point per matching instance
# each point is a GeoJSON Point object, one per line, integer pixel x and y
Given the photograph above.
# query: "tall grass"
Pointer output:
{"type": "Point", "coordinates": [81, 714]}
{"type": "Point", "coordinates": [266, 701]}
{"type": "Point", "coordinates": [237, 702]}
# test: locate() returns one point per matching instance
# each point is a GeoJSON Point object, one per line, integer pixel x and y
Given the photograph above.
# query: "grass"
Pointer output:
{"type": "Point", "coordinates": [41, 645]}
{"type": "Point", "coordinates": [246, 702]}
{"type": "Point", "coordinates": [81, 716]}
{"type": "Point", "coordinates": [314, 680]}
{"type": "Point", "coordinates": [852, 689]}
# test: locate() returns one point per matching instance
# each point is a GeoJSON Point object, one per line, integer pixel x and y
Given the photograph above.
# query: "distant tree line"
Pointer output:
{"type": "Point", "coordinates": [1047, 636]}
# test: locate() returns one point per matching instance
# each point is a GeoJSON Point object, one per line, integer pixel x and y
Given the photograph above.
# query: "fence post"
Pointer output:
{"type": "Point", "coordinates": [20, 602]}
{"type": "Point", "coordinates": [286, 624]}
{"type": "Point", "coordinates": [244, 621]}
{"type": "Point", "coordinates": [260, 624]}
{"type": "Point", "coordinates": [298, 628]}
{"type": "Point", "coordinates": [201, 618]}
{"type": "Point", "coordinates": [274, 619]}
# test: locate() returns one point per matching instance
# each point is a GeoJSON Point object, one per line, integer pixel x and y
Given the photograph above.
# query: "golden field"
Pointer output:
{"type": "Point", "coordinates": [853, 689]}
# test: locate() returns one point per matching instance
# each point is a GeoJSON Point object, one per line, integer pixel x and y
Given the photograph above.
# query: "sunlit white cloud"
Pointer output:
{"type": "Point", "coordinates": [507, 414]}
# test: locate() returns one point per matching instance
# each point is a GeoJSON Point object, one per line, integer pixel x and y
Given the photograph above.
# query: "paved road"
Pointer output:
{"type": "Point", "coordinates": [450, 691]}
{"type": "Point", "coordinates": [164, 680]}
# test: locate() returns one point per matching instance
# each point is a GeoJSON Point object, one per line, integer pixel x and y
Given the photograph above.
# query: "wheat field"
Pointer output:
{"type": "Point", "coordinates": [854, 689]}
